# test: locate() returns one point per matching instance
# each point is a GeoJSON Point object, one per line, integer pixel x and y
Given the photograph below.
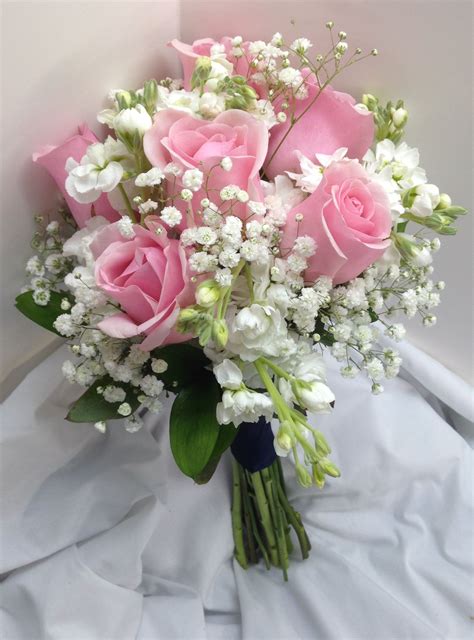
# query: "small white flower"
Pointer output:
{"type": "Point", "coordinates": [114, 394]}
{"type": "Point", "coordinates": [205, 235]}
{"type": "Point", "coordinates": [151, 178]}
{"type": "Point", "coordinates": [301, 45]}
{"type": "Point", "coordinates": [134, 119]}
{"type": "Point", "coordinates": [211, 104]}
{"type": "Point", "coordinates": [124, 409]}
{"type": "Point", "coordinates": [186, 195]}
{"type": "Point", "coordinates": [229, 192]}
{"type": "Point", "coordinates": [158, 365]}
{"type": "Point", "coordinates": [192, 179]}
{"type": "Point", "coordinates": [151, 385]}
{"type": "Point", "coordinates": [64, 325]}
{"type": "Point", "coordinates": [223, 277]}
{"type": "Point", "coordinates": [226, 163]}
{"type": "Point", "coordinates": [34, 266]}
{"type": "Point", "coordinates": [125, 227]}
{"type": "Point", "coordinates": [69, 371]}
{"type": "Point", "coordinates": [171, 216]}
{"type": "Point", "coordinates": [426, 200]}
{"type": "Point", "coordinates": [147, 207]}
{"type": "Point", "coordinates": [173, 169]}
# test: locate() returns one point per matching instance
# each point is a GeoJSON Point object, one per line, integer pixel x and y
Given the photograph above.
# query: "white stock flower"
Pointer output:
{"type": "Point", "coordinates": [426, 200]}
{"type": "Point", "coordinates": [78, 245]}
{"type": "Point", "coordinates": [317, 398]}
{"type": "Point", "coordinates": [128, 121]}
{"type": "Point", "coordinates": [98, 172]}
{"type": "Point", "coordinates": [256, 330]}
{"type": "Point", "coordinates": [243, 405]}
{"type": "Point", "coordinates": [211, 104]}
{"type": "Point", "coordinates": [228, 375]}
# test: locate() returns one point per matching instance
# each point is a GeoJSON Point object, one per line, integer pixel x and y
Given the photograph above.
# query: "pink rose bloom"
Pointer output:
{"type": "Point", "coordinates": [198, 144]}
{"type": "Point", "coordinates": [349, 218]}
{"type": "Point", "coordinates": [147, 276]}
{"type": "Point", "coordinates": [333, 121]}
{"type": "Point", "coordinates": [189, 53]}
{"type": "Point", "coordinates": [54, 160]}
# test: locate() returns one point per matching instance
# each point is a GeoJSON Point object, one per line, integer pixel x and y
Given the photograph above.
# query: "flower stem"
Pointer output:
{"type": "Point", "coordinates": [265, 516]}
{"type": "Point", "coordinates": [128, 205]}
{"type": "Point", "coordinates": [237, 517]}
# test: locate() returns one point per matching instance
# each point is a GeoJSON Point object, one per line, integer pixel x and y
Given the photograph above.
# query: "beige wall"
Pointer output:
{"type": "Point", "coordinates": [60, 58]}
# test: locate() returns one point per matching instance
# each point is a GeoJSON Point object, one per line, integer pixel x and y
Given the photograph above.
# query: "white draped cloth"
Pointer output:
{"type": "Point", "coordinates": [103, 537]}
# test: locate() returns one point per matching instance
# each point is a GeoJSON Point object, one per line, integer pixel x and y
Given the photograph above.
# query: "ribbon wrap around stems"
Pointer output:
{"type": "Point", "coordinates": [253, 445]}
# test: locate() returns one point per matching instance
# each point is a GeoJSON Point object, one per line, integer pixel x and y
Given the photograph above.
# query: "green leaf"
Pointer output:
{"type": "Point", "coordinates": [373, 316]}
{"type": "Point", "coordinates": [44, 316]}
{"type": "Point", "coordinates": [326, 338]}
{"type": "Point", "coordinates": [92, 407]}
{"type": "Point", "coordinates": [186, 364]}
{"type": "Point", "coordinates": [194, 430]}
{"type": "Point", "coordinates": [227, 433]}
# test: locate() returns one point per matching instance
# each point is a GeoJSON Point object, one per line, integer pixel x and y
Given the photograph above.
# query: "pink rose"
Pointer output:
{"type": "Point", "coordinates": [189, 53]}
{"type": "Point", "coordinates": [198, 144]}
{"type": "Point", "coordinates": [54, 160]}
{"type": "Point", "coordinates": [349, 218]}
{"type": "Point", "coordinates": [333, 121]}
{"type": "Point", "coordinates": [147, 276]}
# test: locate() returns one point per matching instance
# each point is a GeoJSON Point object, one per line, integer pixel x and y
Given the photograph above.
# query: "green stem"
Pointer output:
{"type": "Point", "coordinates": [237, 517]}
{"type": "Point", "coordinates": [265, 516]}
{"type": "Point", "coordinates": [248, 277]}
{"type": "Point", "coordinates": [280, 405]}
{"type": "Point", "coordinates": [128, 205]}
{"type": "Point", "coordinates": [247, 517]}
{"type": "Point", "coordinates": [272, 498]}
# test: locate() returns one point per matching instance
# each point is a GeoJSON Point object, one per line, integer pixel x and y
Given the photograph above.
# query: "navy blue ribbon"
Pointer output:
{"type": "Point", "coordinates": [253, 445]}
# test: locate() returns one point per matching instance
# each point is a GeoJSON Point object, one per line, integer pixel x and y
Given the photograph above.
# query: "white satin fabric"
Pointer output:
{"type": "Point", "coordinates": [103, 538]}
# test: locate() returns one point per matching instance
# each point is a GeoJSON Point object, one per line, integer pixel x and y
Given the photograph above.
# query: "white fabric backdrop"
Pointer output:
{"type": "Point", "coordinates": [103, 538]}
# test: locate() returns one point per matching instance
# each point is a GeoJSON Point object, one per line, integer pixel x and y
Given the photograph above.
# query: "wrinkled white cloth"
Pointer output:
{"type": "Point", "coordinates": [103, 538]}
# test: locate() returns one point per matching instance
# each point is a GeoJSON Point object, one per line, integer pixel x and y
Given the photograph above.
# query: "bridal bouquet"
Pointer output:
{"type": "Point", "coordinates": [231, 228]}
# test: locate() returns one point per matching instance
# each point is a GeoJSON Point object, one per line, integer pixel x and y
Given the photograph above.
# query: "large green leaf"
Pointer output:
{"type": "Point", "coordinates": [194, 430]}
{"type": "Point", "coordinates": [92, 407]}
{"type": "Point", "coordinates": [186, 365]}
{"type": "Point", "coordinates": [44, 316]}
{"type": "Point", "coordinates": [227, 433]}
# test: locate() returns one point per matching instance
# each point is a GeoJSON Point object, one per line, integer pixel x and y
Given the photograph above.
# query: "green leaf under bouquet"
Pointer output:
{"type": "Point", "coordinates": [92, 406]}
{"type": "Point", "coordinates": [195, 434]}
{"type": "Point", "coordinates": [46, 315]}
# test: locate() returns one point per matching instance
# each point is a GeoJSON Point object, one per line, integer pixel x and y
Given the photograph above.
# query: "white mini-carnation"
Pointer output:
{"type": "Point", "coordinates": [192, 179]}
{"type": "Point", "coordinates": [171, 216]}
{"type": "Point", "coordinates": [125, 227]}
